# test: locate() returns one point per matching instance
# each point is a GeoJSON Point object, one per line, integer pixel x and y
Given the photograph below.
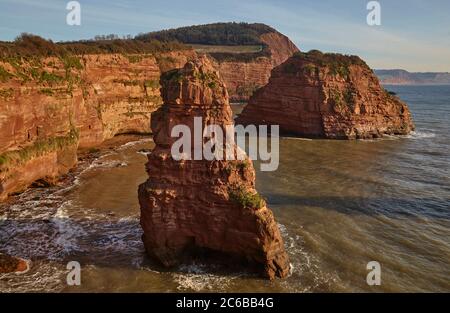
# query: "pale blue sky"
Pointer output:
{"type": "Point", "coordinates": [414, 35]}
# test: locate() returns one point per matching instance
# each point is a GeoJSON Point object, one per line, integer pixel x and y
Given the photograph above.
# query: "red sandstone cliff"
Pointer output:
{"type": "Point", "coordinates": [52, 106]}
{"type": "Point", "coordinates": [189, 205]}
{"type": "Point", "coordinates": [244, 76]}
{"type": "Point", "coordinates": [328, 96]}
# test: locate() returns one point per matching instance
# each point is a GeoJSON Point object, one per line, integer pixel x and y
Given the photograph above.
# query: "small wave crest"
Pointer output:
{"type": "Point", "coordinates": [421, 135]}
{"type": "Point", "coordinates": [198, 277]}
{"type": "Point", "coordinates": [305, 267]}
{"type": "Point", "coordinates": [133, 143]}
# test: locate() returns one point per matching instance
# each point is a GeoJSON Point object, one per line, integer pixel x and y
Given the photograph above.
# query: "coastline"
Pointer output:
{"type": "Point", "coordinates": [85, 155]}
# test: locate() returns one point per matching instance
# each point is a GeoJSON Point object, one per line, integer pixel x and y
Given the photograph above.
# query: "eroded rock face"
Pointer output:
{"type": "Point", "coordinates": [44, 103]}
{"type": "Point", "coordinates": [243, 78]}
{"type": "Point", "coordinates": [327, 96]}
{"type": "Point", "coordinates": [192, 205]}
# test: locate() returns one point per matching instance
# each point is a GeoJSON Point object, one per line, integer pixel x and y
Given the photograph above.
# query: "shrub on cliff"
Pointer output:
{"type": "Point", "coordinates": [4, 75]}
{"type": "Point", "coordinates": [240, 57]}
{"type": "Point", "coordinates": [38, 148]}
{"type": "Point", "coordinates": [244, 198]}
{"type": "Point", "coordinates": [338, 64]}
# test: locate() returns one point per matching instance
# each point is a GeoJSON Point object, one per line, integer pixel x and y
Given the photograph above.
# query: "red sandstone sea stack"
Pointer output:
{"type": "Point", "coordinates": [212, 206]}
{"type": "Point", "coordinates": [327, 96]}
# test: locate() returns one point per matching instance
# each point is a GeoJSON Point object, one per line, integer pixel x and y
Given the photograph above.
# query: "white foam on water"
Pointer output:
{"type": "Point", "coordinates": [133, 143]}
{"type": "Point", "coordinates": [390, 137]}
{"type": "Point", "coordinates": [41, 277]}
{"type": "Point", "coordinates": [68, 232]}
{"type": "Point", "coordinates": [123, 235]}
{"type": "Point", "coordinates": [196, 277]}
{"type": "Point", "coordinates": [108, 164]}
{"type": "Point", "coordinates": [421, 135]}
{"type": "Point", "coordinates": [303, 264]}
{"type": "Point", "coordinates": [296, 138]}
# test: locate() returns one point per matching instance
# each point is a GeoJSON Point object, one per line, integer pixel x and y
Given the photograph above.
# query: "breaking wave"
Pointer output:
{"type": "Point", "coordinates": [421, 135]}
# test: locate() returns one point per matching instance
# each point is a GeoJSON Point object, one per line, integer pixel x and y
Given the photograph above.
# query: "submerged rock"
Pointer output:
{"type": "Point", "coordinates": [10, 264]}
{"type": "Point", "coordinates": [191, 206]}
{"type": "Point", "coordinates": [327, 96]}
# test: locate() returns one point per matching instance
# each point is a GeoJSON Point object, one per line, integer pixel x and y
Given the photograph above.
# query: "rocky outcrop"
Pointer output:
{"type": "Point", "coordinates": [51, 106]}
{"type": "Point", "coordinates": [9, 264]}
{"type": "Point", "coordinates": [327, 96]}
{"type": "Point", "coordinates": [200, 205]}
{"type": "Point", "coordinates": [279, 46]}
{"type": "Point", "coordinates": [243, 75]}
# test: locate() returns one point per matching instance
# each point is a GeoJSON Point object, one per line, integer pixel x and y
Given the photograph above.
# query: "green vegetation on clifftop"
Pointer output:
{"type": "Point", "coordinates": [33, 47]}
{"type": "Point", "coordinates": [230, 34]}
{"type": "Point", "coordinates": [38, 148]}
{"type": "Point", "coordinates": [338, 64]}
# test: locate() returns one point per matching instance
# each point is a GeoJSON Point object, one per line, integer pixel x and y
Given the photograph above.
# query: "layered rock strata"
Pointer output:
{"type": "Point", "coordinates": [198, 205]}
{"type": "Point", "coordinates": [327, 96]}
{"type": "Point", "coordinates": [50, 107]}
{"type": "Point", "coordinates": [243, 77]}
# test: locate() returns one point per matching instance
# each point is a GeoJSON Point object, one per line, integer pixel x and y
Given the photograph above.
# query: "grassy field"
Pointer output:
{"type": "Point", "coordinates": [226, 49]}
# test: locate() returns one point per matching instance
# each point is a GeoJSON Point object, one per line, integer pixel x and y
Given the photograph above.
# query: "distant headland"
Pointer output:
{"type": "Point", "coordinates": [403, 77]}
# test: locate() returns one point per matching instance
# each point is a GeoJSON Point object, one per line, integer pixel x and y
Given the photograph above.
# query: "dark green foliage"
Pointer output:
{"type": "Point", "coordinates": [240, 57]}
{"type": "Point", "coordinates": [47, 91]}
{"type": "Point", "coordinates": [247, 90]}
{"type": "Point", "coordinates": [336, 96]}
{"type": "Point", "coordinates": [209, 79]}
{"type": "Point", "coordinates": [126, 82]}
{"type": "Point", "coordinates": [337, 63]}
{"type": "Point", "coordinates": [94, 150]}
{"type": "Point", "coordinates": [50, 78]}
{"type": "Point", "coordinates": [213, 34]}
{"type": "Point", "coordinates": [153, 84]}
{"type": "Point", "coordinates": [35, 73]}
{"type": "Point", "coordinates": [311, 69]}
{"type": "Point", "coordinates": [71, 62]}
{"type": "Point", "coordinates": [390, 94]}
{"type": "Point", "coordinates": [242, 166]}
{"type": "Point", "coordinates": [6, 93]}
{"type": "Point", "coordinates": [34, 47]}
{"type": "Point", "coordinates": [343, 100]}
{"type": "Point", "coordinates": [38, 148]}
{"type": "Point", "coordinates": [241, 196]}
{"type": "Point", "coordinates": [173, 75]}
{"type": "Point", "coordinates": [134, 58]}
{"type": "Point", "coordinates": [165, 63]}
{"type": "Point", "coordinates": [4, 75]}
{"type": "Point", "coordinates": [349, 98]}
{"type": "Point", "coordinates": [290, 68]}
{"type": "Point", "coordinates": [123, 46]}
{"type": "Point", "coordinates": [28, 45]}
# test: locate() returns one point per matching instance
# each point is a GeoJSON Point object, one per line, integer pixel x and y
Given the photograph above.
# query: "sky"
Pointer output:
{"type": "Point", "coordinates": [413, 35]}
